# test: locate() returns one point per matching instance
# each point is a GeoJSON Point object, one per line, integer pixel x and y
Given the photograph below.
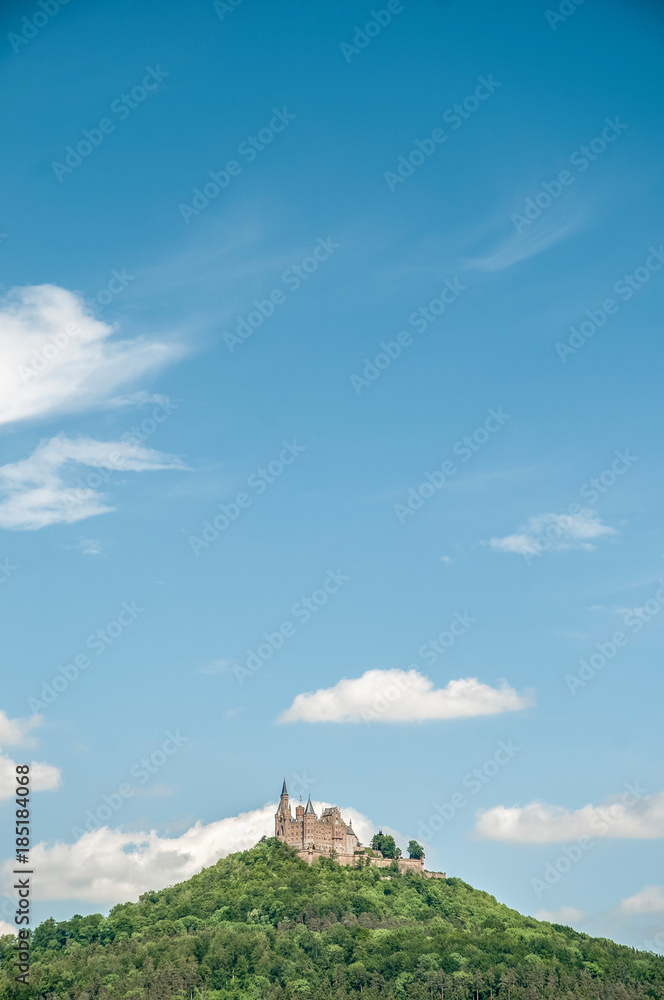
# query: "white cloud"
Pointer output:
{"type": "Point", "coordinates": [135, 400]}
{"type": "Point", "coordinates": [110, 866]}
{"type": "Point", "coordinates": [55, 356]}
{"type": "Point", "coordinates": [649, 900]}
{"type": "Point", "coordinates": [158, 791]}
{"type": "Point", "coordinates": [90, 547]}
{"type": "Point", "coordinates": [566, 915]}
{"type": "Point", "coordinates": [216, 667]}
{"type": "Point", "coordinates": [43, 777]}
{"type": "Point", "coordinates": [44, 489]}
{"type": "Point", "coordinates": [402, 696]}
{"type": "Point", "coordinates": [6, 928]}
{"type": "Point", "coordinates": [555, 533]}
{"type": "Point", "coordinates": [623, 817]}
{"type": "Point", "coordinates": [524, 245]}
{"type": "Point", "coordinates": [15, 732]}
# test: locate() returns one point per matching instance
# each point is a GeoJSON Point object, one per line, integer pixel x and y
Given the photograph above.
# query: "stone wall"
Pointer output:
{"type": "Point", "coordinates": [405, 864]}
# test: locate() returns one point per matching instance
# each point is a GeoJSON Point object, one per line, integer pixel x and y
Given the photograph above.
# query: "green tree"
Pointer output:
{"type": "Point", "coordinates": [415, 850]}
{"type": "Point", "coordinates": [385, 843]}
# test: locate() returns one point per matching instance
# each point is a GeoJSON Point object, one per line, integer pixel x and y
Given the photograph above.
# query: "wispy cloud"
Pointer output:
{"type": "Point", "coordinates": [522, 246]}
{"type": "Point", "coordinates": [403, 696]}
{"type": "Point", "coordinates": [42, 490]}
{"type": "Point", "coordinates": [555, 533]}
{"type": "Point", "coordinates": [216, 667]}
{"type": "Point", "coordinates": [55, 356]}
{"type": "Point", "coordinates": [134, 400]}
{"type": "Point", "coordinates": [90, 547]}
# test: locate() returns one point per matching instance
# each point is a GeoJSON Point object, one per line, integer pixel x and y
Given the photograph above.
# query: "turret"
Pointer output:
{"type": "Point", "coordinates": [283, 799]}
{"type": "Point", "coordinates": [283, 813]}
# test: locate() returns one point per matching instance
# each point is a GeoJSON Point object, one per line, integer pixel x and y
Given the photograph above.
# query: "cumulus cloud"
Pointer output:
{"type": "Point", "coordinates": [6, 928]}
{"type": "Point", "coordinates": [630, 815]}
{"type": "Point", "coordinates": [55, 356]}
{"type": "Point", "coordinates": [563, 915]}
{"type": "Point", "coordinates": [110, 866]}
{"type": "Point", "coordinates": [43, 777]}
{"type": "Point", "coordinates": [46, 488]}
{"type": "Point", "coordinates": [402, 696]}
{"type": "Point", "coordinates": [16, 732]}
{"type": "Point", "coordinates": [649, 900]}
{"type": "Point", "coordinates": [555, 533]}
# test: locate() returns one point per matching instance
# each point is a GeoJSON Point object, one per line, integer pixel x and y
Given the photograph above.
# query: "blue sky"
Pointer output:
{"type": "Point", "coordinates": [133, 413]}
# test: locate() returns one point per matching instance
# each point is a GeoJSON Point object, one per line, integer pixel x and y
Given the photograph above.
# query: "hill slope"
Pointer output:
{"type": "Point", "coordinates": [263, 924]}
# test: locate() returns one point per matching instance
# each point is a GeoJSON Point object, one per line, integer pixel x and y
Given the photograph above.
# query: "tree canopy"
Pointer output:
{"type": "Point", "coordinates": [386, 844]}
{"type": "Point", "coordinates": [415, 850]}
{"type": "Point", "coordinates": [263, 925]}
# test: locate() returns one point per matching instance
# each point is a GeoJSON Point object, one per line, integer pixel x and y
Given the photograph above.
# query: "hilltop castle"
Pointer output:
{"type": "Point", "coordinates": [308, 833]}
{"type": "Point", "coordinates": [330, 835]}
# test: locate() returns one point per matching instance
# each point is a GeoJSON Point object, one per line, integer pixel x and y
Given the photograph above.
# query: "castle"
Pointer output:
{"type": "Point", "coordinates": [308, 833]}
{"type": "Point", "coordinates": [330, 835]}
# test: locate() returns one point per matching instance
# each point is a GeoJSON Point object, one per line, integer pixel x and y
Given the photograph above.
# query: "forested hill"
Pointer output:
{"type": "Point", "coordinates": [263, 924]}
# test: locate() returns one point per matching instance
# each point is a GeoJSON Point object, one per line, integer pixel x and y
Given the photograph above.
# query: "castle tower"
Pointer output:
{"type": "Point", "coordinates": [309, 820]}
{"type": "Point", "coordinates": [283, 814]}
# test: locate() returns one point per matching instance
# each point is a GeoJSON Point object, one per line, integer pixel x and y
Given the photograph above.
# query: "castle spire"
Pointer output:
{"type": "Point", "coordinates": [284, 790]}
{"type": "Point", "coordinates": [310, 807]}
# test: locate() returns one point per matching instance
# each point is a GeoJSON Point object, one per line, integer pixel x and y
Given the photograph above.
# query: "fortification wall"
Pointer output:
{"type": "Point", "coordinates": [405, 864]}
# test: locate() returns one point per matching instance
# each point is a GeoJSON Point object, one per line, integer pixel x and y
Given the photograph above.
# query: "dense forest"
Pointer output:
{"type": "Point", "coordinates": [263, 924]}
